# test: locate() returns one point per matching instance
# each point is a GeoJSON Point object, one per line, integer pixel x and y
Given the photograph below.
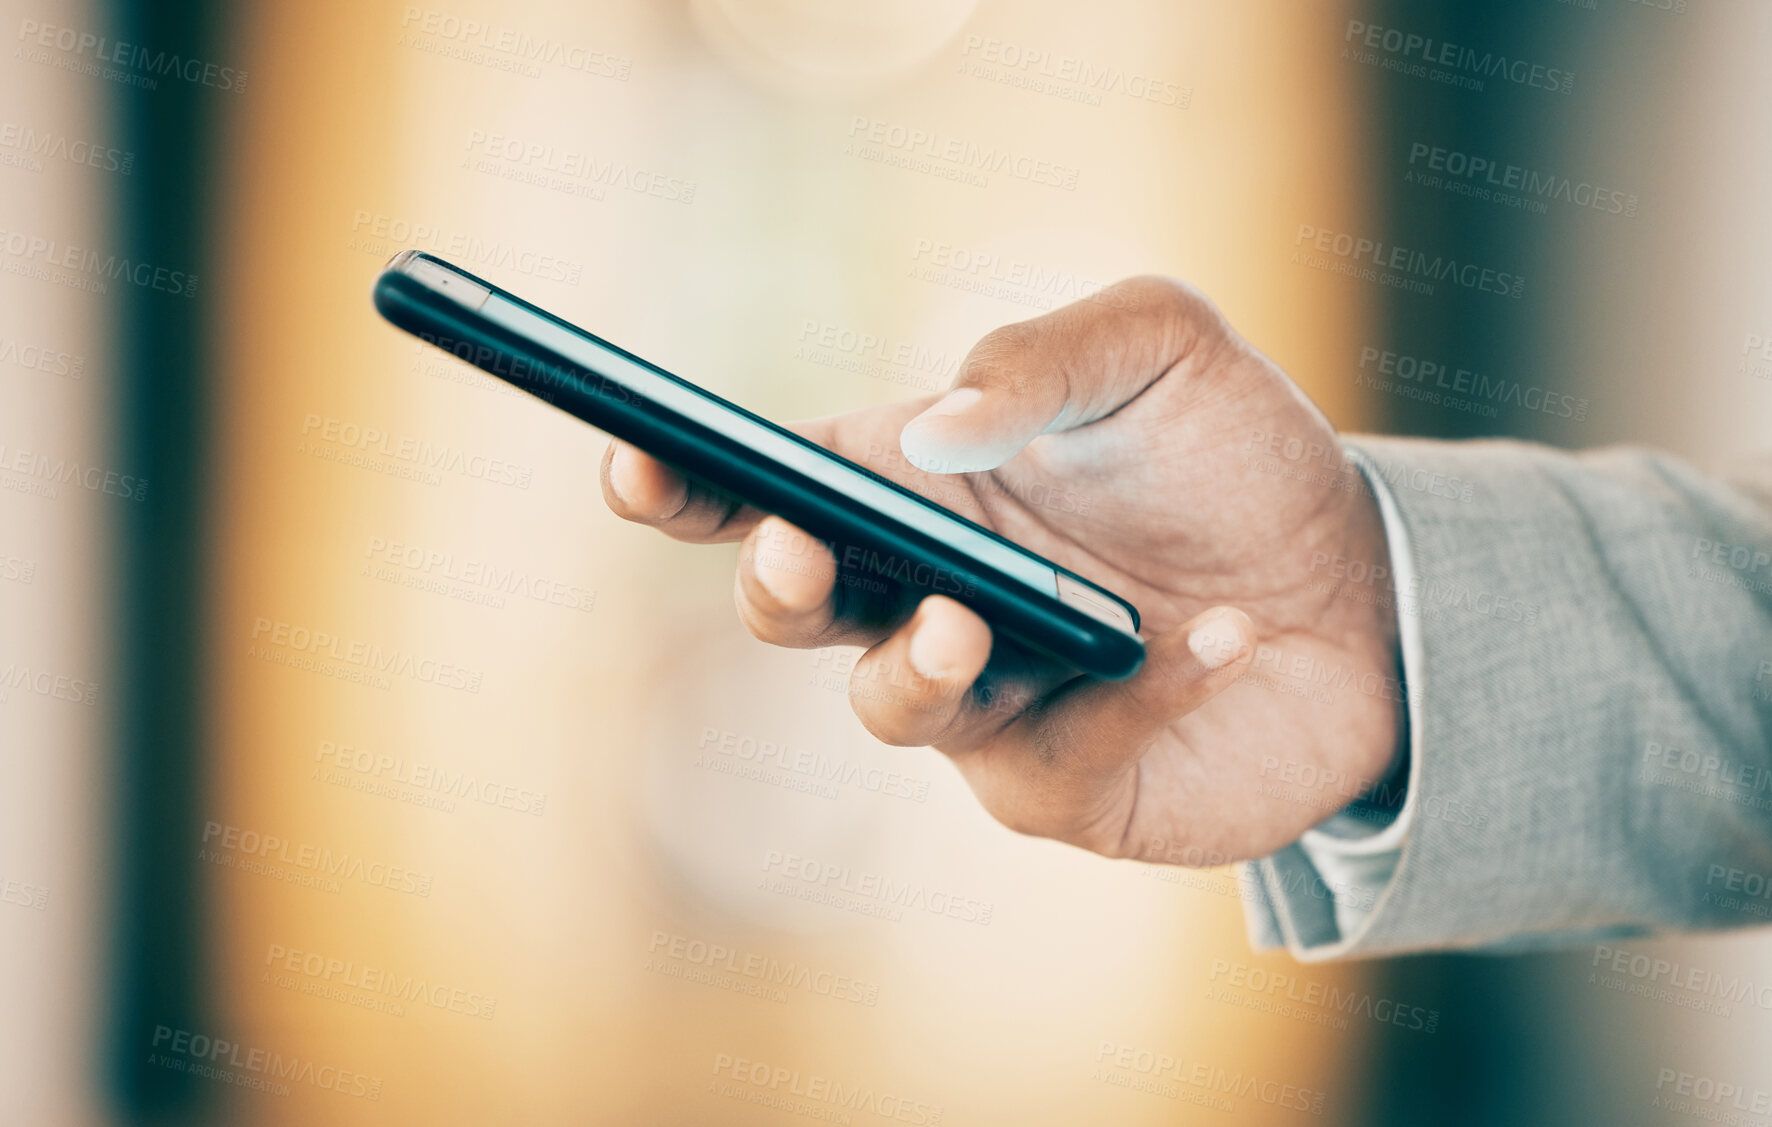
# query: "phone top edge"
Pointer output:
{"type": "Point", "coordinates": [1069, 588]}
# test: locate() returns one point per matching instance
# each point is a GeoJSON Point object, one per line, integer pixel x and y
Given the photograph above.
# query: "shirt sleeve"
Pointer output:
{"type": "Point", "coordinates": [1584, 644]}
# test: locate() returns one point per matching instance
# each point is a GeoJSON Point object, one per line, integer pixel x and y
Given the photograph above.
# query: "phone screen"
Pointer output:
{"type": "Point", "coordinates": [587, 355]}
{"type": "Point", "coordinates": [765, 438]}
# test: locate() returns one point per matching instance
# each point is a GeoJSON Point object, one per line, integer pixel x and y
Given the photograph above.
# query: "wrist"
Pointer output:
{"type": "Point", "coordinates": [1377, 634]}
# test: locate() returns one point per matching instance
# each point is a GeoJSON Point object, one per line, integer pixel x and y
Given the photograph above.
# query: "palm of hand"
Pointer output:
{"type": "Point", "coordinates": [1215, 486]}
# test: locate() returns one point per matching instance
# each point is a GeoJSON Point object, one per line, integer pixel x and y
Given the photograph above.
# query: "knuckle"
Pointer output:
{"type": "Point", "coordinates": [1009, 340]}
{"type": "Point", "coordinates": [1172, 301]}
{"type": "Point", "coordinates": [998, 359]}
{"type": "Point", "coordinates": [1160, 289]}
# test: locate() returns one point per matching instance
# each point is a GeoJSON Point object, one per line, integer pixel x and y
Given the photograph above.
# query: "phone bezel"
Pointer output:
{"type": "Point", "coordinates": [1096, 643]}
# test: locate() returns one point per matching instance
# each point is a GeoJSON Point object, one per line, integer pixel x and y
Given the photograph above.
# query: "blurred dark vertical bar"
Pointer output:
{"type": "Point", "coordinates": [161, 435]}
{"type": "Point", "coordinates": [1480, 332]}
{"type": "Point", "coordinates": [1505, 1052]}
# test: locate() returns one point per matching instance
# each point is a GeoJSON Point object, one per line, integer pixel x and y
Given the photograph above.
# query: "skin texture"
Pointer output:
{"type": "Point", "coordinates": [1136, 439]}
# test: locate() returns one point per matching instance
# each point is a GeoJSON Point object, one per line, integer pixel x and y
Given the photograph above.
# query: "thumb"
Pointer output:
{"type": "Point", "coordinates": [1059, 371]}
{"type": "Point", "coordinates": [971, 429]}
{"type": "Point", "coordinates": [1114, 722]}
{"type": "Point", "coordinates": [1073, 763]}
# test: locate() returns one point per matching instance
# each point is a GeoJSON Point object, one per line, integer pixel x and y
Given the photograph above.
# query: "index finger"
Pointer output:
{"type": "Point", "coordinates": [646, 490]}
{"type": "Point", "coordinates": [640, 488]}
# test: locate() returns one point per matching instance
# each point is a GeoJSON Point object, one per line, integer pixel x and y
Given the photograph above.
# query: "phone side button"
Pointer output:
{"type": "Point", "coordinates": [1076, 595]}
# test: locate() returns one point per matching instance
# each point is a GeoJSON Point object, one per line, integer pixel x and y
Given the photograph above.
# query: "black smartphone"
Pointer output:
{"type": "Point", "coordinates": [876, 527]}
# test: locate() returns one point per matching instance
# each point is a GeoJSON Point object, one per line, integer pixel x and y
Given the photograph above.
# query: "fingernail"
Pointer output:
{"type": "Point", "coordinates": [771, 547]}
{"type": "Point", "coordinates": [1218, 640]}
{"type": "Point", "coordinates": [923, 448]}
{"type": "Point", "coordinates": [768, 580]}
{"type": "Point", "coordinates": [780, 564]}
{"type": "Point", "coordinates": [615, 461]}
{"type": "Point", "coordinates": [926, 650]}
{"type": "Point", "coordinates": [653, 507]}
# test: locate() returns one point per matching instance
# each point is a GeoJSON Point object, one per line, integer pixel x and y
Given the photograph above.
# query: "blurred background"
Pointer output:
{"type": "Point", "coordinates": [357, 767]}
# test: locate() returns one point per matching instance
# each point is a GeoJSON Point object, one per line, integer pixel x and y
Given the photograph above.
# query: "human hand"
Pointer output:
{"type": "Point", "coordinates": [1114, 437]}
